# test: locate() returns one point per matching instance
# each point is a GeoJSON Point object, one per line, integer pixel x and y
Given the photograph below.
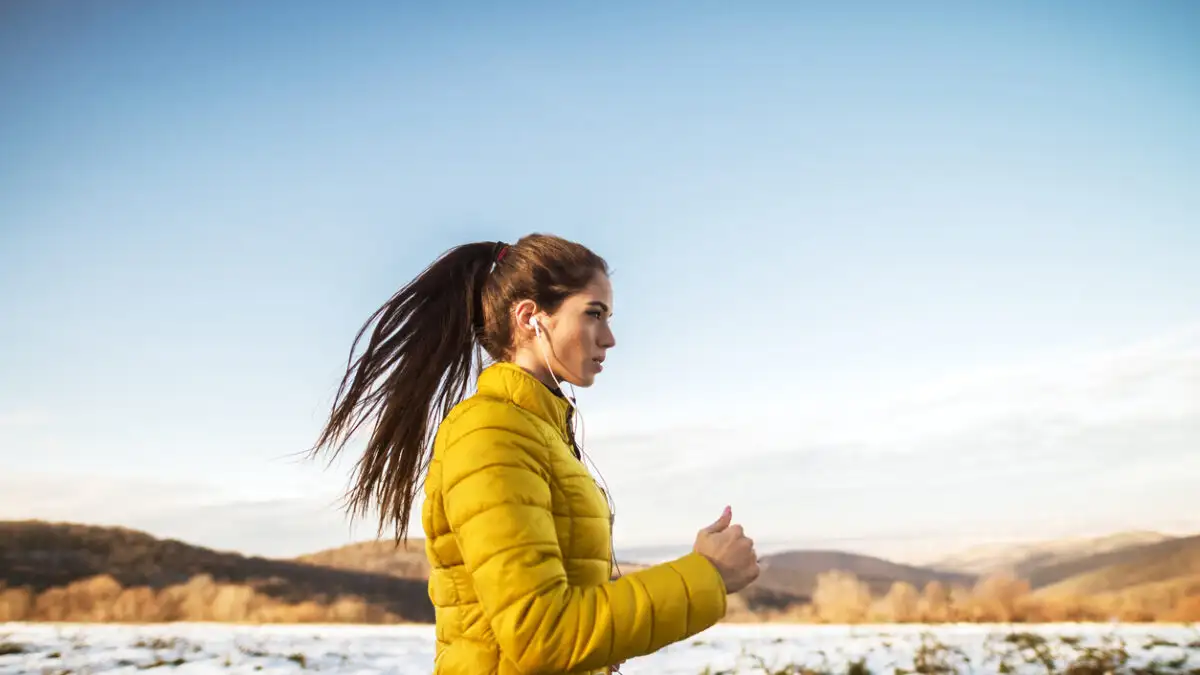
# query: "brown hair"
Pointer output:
{"type": "Point", "coordinates": [425, 350]}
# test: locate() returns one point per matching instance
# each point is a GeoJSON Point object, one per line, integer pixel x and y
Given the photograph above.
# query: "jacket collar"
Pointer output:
{"type": "Point", "coordinates": [513, 384]}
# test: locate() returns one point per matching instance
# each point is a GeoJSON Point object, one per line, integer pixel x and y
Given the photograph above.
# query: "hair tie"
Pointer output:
{"type": "Point", "coordinates": [498, 252]}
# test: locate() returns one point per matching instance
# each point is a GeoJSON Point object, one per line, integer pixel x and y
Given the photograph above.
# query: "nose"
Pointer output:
{"type": "Point", "coordinates": [606, 339]}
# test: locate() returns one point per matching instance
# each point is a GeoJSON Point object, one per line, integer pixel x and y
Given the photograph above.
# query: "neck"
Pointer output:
{"type": "Point", "coordinates": [535, 366]}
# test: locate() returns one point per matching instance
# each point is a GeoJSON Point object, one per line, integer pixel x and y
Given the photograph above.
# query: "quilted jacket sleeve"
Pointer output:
{"type": "Point", "coordinates": [497, 499]}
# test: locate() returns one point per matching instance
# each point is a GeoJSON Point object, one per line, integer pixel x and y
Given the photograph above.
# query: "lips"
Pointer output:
{"type": "Point", "coordinates": [599, 363]}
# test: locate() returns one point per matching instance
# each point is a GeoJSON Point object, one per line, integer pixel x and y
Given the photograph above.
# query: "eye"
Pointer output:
{"type": "Point", "coordinates": [596, 313]}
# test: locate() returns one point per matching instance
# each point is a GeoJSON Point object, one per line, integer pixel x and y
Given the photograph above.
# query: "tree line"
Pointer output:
{"type": "Point", "coordinates": [838, 597]}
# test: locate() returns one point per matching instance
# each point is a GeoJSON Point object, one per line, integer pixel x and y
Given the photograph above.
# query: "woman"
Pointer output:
{"type": "Point", "coordinates": [518, 535]}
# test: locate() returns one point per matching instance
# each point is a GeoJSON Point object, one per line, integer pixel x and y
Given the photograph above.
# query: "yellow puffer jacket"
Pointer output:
{"type": "Point", "coordinates": [518, 536]}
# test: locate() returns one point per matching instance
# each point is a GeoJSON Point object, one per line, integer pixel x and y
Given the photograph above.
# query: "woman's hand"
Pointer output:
{"type": "Point", "coordinates": [730, 551]}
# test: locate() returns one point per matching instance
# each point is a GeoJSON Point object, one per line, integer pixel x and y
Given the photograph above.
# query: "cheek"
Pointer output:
{"type": "Point", "coordinates": [576, 340]}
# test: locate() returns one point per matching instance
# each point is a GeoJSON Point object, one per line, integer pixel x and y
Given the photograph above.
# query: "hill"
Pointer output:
{"type": "Point", "coordinates": [1120, 577]}
{"type": "Point", "coordinates": [405, 560]}
{"type": "Point", "coordinates": [790, 578]}
{"type": "Point", "coordinates": [796, 572]}
{"type": "Point", "coordinates": [52, 570]}
{"type": "Point", "coordinates": [1024, 558]}
{"type": "Point", "coordinates": [408, 561]}
{"type": "Point", "coordinates": [1141, 583]}
{"type": "Point", "coordinates": [61, 572]}
{"type": "Point", "coordinates": [1168, 561]}
{"type": "Point", "coordinates": [1148, 562]}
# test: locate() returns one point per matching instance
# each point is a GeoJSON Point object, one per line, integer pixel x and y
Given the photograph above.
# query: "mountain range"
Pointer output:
{"type": "Point", "coordinates": [51, 570]}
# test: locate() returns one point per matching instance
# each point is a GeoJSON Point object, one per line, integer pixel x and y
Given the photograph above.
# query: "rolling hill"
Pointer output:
{"type": "Point", "coordinates": [1169, 561]}
{"type": "Point", "coordinates": [41, 556]}
{"type": "Point", "coordinates": [788, 578]}
{"type": "Point", "coordinates": [1149, 582]}
{"type": "Point", "coordinates": [62, 571]}
{"type": "Point", "coordinates": [405, 560]}
{"type": "Point", "coordinates": [1024, 558]}
{"type": "Point", "coordinates": [795, 572]}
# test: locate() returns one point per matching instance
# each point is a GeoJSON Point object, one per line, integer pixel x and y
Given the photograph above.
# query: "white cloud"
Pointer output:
{"type": "Point", "coordinates": [1088, 443]}
{"type": "Point", "coordinates": [1083, 444]}
{"type": "Point", "coordinates": [1154, 382]}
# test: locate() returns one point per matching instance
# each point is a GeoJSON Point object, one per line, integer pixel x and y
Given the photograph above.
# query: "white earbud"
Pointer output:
{"type": "Point", "coordinates": [537, 328]}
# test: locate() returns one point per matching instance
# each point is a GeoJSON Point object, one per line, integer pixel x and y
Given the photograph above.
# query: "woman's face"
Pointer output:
{"type": "Point", "coordinates": [578, 335]}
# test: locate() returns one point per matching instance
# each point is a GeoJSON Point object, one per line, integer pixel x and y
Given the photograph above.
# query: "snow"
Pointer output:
{"type": "Point", "coordinates": [205, 649]}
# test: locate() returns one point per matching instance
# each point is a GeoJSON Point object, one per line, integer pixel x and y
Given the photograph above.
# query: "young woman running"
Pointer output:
{"type": "Point", "coordinates": [517, 532]}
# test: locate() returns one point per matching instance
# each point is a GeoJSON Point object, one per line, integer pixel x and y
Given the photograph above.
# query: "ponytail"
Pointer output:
{"type": "Point", "coordinates": [422, 354]}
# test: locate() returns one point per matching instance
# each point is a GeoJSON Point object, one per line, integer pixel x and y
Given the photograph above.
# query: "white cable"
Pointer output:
{"type": "Point", "coordinates": [602, 483]}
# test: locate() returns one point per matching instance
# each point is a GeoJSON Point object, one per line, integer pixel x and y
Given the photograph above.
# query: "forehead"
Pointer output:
{"type": "Point", "coordinates": [599, 289]}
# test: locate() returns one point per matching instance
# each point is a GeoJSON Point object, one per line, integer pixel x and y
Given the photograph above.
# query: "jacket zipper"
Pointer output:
{"type": "Point", "coordinates": [612, 517]}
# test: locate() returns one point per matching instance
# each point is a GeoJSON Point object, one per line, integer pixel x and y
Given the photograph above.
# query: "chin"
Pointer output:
{"type": "Point", "coordinates": [584, 382]}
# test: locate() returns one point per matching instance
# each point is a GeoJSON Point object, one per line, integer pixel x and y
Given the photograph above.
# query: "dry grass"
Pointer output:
{"type": "Point", "coordinates": [841, 598]}
{"type": "Point", "coordinates": [1015, 652]}
{"type": "Point", "coordinates": [101, 599]}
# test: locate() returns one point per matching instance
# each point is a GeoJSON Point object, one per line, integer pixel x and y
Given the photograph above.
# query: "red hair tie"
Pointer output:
{"type": "Point", "coordinates": [503, 252]}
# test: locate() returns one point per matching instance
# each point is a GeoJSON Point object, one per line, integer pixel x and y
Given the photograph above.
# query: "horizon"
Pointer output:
{"type": "Point", "coordinates": [654, 554]}
{"type": "Point", "coordinates": [912, 280]}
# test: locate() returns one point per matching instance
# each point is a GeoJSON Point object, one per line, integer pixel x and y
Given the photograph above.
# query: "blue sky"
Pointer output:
{"type": "Point", "coordinates": [853, 251]}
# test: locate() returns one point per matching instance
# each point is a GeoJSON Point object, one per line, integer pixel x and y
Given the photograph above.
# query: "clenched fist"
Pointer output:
{"type": "Point", "coordinates": [730, 551]}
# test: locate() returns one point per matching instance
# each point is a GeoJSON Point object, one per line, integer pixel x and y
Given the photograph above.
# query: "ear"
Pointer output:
{"type": "Point", "coordinates": [523, 311]}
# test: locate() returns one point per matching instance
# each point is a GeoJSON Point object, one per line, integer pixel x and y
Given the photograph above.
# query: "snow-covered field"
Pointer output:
{"type": "Point", "coordinates": [201, 649]}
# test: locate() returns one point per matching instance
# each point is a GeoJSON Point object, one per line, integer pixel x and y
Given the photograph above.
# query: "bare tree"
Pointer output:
{"type": "Point", "coordinates": [935, 603]}
{"type": "Point", "coordinates": [997, 596]}
{"type": "Point", "coordinates": [841, 598]}
{"type": "Point", "coordinates": [902, 602]}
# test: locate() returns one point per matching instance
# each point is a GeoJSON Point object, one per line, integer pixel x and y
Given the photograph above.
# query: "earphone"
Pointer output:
{"type": "Point", "coordinates": [537, 330]}
{"type": "Point", "coordinates": [602, 484]}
